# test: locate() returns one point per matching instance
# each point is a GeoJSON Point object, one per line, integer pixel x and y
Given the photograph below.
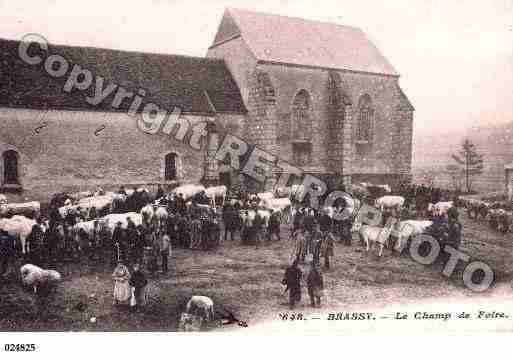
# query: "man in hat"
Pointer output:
{"type": "Point", "coordinates": [165, 249]}
{"type": "Point", "coordinates": [138, 282]}
{"type": "Point", "coordinates": [117, 242]}
{"type": "Point", "coordinates": [454, 228]}
{"type": "Point", "coordinates": [315, 285]}
{"type": "Point", "coordinates": [292, 280]}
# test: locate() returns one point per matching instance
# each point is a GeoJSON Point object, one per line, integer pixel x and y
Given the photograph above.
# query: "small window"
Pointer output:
{"type": "Point", "coordinates": [170, 169]}
{"type": "Point", "coordinates": [10, 159]}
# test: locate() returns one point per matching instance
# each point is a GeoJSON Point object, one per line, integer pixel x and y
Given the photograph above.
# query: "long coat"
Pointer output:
{"type": "Point", "coordinates": [122, 292]}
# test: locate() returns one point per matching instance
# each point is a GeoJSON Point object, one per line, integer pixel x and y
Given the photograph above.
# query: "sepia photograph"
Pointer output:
{"type": "Point", "coordinates": [299, 167]}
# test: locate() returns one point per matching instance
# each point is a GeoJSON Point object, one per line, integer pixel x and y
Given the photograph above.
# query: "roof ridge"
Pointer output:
{"type": "Point", "coordinates": [206, 59]}
{"type": "Point", "coordinates": [294, 18]}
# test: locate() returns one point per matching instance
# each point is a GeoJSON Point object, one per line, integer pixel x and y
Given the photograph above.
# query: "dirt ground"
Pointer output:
{"type": "Point", "coordinates": [246, 281]}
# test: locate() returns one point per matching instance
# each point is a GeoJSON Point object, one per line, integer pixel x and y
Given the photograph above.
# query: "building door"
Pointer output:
{"type": "Point", "coordinates": [170, 167]}
{"type": "Point", "coordinates": [10, 159]}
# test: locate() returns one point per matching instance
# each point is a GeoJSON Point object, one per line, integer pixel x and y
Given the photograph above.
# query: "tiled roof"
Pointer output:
{"type": "Point", "coordinates": [169, 80]}
{"type": "Point", "coordinates": [281, 39]}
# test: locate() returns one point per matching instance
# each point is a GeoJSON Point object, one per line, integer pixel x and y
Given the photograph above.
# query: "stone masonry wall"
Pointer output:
{"type": "Point", "coordinates": [389, 154]}
{"type": "Point", "coordinates": [66, 154]}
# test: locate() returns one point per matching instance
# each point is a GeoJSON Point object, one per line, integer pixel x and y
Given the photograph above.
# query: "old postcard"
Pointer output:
{"type": "Point", "coordinates": [239, 167]}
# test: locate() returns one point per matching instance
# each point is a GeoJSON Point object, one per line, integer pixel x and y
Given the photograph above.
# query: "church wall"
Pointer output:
{"type": "Point", "coordinates": [269, 126]}
{"type": "Point", "coordinates": [66, 154]}
{"type": "Point", "coordinates": [390, 151]}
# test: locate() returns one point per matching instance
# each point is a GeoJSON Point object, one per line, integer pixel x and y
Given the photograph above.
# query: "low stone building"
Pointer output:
{"type": "Point", "coordinates": [53, 140]}
{"type": "Point", "coordinates": [319, 96]}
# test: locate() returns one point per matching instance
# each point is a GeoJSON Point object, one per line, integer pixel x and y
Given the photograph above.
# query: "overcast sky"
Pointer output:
{"type": "Point", "coordinates": [455, 57]}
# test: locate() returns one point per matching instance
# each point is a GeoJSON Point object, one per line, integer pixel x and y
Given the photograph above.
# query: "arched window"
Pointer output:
{"type": "Point", "coordinates": [365, 115]}
{"type": "Point", "coordinates": [170, 166]}
{"type": "Point", "coordinates": [10, 160]}
{"type": "Point", "coordinates": [265, 84]}
{"type": "Point", "coordinates": [301, 123]}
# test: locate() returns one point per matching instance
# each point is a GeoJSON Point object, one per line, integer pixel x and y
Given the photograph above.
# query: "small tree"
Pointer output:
{"type": "Point", "coordinates": [471, 162]}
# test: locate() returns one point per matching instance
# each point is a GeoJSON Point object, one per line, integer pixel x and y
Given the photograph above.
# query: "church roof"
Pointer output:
{"type": "Point", "coordinates": [195, 85]}
{"type": "Point", "coordinates": [281, 39]}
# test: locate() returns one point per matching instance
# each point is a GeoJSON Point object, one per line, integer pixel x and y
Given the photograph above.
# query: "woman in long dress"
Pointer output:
{"type": "Point", "coordinates": [121, 277]}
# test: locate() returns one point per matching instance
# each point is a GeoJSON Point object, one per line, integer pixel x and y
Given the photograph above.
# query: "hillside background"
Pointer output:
{"type": "Point", "coordinates": [432, 153]}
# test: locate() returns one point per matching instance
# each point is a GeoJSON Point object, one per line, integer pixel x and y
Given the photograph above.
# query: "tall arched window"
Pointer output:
{"type": "Point", "coordinates": [365, 115]}
{"type": "Point", "coordinates": [10, 161]}
{"type": "Point", "coordinates": [265, 84]}
{"type": "Point", "coordinates": [170, 166]}
{"type": "Point", "coordinates": [301, 123]}
{"type": "Point", "coordinates": [302, 129]}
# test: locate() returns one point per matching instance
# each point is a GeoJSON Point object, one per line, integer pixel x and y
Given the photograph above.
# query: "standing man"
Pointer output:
{"type": "Point", "coordinates": [315, 285]}
{"type": "Point", "coordinates": [138, 282]}
{"type": "Point", "coordinates": [454, 228]}
{"type": "Point", "coordinates": [165, 249]}
{"type": "Point", "coordinates": [292, 280]}
{"type": "Point", "coordinates": [274, 225]}
{"type": "Point", "coordinates": [327, 248]}
{"type": "Point", "coordinates": [117, 243]}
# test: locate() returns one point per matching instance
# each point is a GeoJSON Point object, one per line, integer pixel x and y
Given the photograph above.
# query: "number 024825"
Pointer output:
{"type": "Point", "coordinates": [19, 347]}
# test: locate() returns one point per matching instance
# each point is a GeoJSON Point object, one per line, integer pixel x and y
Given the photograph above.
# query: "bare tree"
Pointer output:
{"type": "Point", "coordinates": [470, 161]}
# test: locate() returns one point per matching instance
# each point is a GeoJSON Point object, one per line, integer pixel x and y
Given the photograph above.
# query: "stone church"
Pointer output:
{"type": "Point", "coordinates": [317, 95]}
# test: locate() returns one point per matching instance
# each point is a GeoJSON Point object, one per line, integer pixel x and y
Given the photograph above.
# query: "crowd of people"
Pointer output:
{"type": "Point", "coordinates": [195, 224]}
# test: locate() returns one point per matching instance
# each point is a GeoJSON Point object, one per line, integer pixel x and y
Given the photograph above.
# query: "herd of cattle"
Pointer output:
{"type": "Point", "coordinates": [498, 214]}
{"type": "Point", "coordinates": [99, 209]}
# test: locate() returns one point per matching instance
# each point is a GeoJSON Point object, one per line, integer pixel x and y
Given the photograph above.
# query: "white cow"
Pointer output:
{"type": "Point", "coordinates": [89, 228]}
{"type": "Point", "coordinates": [389, 202]}
{"type": "Point", "coordinates": [201, 306]}
{"type": "Point", "coordinates": [248, 216]}
{"type": "Point", "coordinates": [292, 192]}
{"type": "Point", "coordinates": [81, 195]}
{"type": "Point", "coordinates": [280, 205]}
{"type": "Point", "coordinates": [161, 215]}
{"type": "Point", "coordinates": [19, 227]}
{"type": "Point", "coordinates": [385, 187]}
{"type": "Point", "coordinates": [112, 219]}
{"type": "Point", "coordinates": [188, 190]}
{"type": "Point", "coordinates": [277, 204]}
{"type": "Point", "coordinates": [440, 208]}
{"type": "Point", "coordinates": [379, 235]}
{"type": "Point", "coordinates": [215, 192]}
{"type": "Point", "coordinates": [35, 276]}
{"type": "Point", "coordinates": [405, 230]}
{"type": "Point", "coordinates": [99, 203]}
{"type": "Point", "coordinates": [148, 212]}
{"type": "Point", "coordinates": [26, 209]}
